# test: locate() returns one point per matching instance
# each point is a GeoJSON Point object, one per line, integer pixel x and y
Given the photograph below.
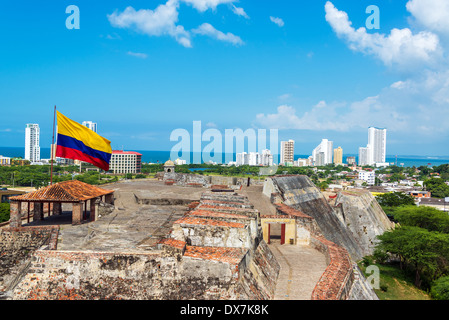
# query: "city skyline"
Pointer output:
{"type": "Point", "coordinates": [309, 69]}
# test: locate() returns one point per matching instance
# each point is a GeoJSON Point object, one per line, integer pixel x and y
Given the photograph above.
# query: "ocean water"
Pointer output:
{"type": "Point", "coordinates": [163, 156]}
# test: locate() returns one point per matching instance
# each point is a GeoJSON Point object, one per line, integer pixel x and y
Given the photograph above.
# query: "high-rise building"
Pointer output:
{"type": "Point", "coordinates": [287, 152]}
{"type": "Point", "coordinates": [377, 140]}
{"type": "Point", "coordinates": [241, 158]}
{"type": "Point", "coordinates": [338, 156]}
{"type": "Point", "coordinates": [376, 150]}
{"type": "Point", "coordinates": [91, 125]}
{"type": "Point", "coordinates": [364, 154]}
{"type": "Point", "coordinates": [325, 147]}
{"type": "Point", "coordinates": [320, 159]}
{"type": "Point", "coordinates": [254, 158]}
{"type": "Point", "coordinates": [350, 160]}
{"type": "Point", "coordinates": [32, 145]}
{"type": "Point", "coordinates": [266, 158]}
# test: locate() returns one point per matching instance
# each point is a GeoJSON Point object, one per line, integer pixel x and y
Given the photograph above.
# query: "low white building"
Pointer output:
{"type": "Point", "coordinates": [180, 162]}
{"type": "Point", "coordinates": [302, 163]}
{"type": "Point", "coordinates": [368, 176]}
{"type": "Point", "coordinates": [255, 158]}
{"type": "Point", "coordinates": [5, 161]}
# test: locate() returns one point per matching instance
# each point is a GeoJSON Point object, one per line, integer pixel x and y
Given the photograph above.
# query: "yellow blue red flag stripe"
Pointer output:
{"type": "Point", "coordinates": [77, 142]}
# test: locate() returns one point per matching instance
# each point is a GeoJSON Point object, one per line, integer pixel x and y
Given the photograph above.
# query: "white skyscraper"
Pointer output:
{"type": "Point", "coordinates": [253, 158]}
{"type": "Point", "coordinates": [376, 150]}
{"type": "Point", "coordinates": [377, 142]}
{"type": "Point", "coordinates": [241, 159]}
{"type": "Point", "coordinates": [364, 155]}
{"type": "Point", "coordinates": [323, 154]}
{"type": "Point", "coordinates": [91, 125]}
{"type": "Point", "coordinates": [287, 152]}
{"type": "Point", "coordinates": [266, 158]}
{"type": "Point", "coordinates": [32, 146]}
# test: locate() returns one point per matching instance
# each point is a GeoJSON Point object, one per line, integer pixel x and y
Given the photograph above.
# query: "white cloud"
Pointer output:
{"type": "Point", "coordinates": [158, 22]}
{"type": "Point", "coordinates": [319, 117]}
{"type": "Point", "coordinates": [277, 21]}
{"type": "Point", "coordinates": [113, 36]}
{"type": "Point", "coordinates": [204, 5]}
{"type": "Point", "coordinates": [432, 14]}
{"type": "Point", "coordinates": [137, 54]}
{"type": "Point", "coordinates": [398, 85]}
{"type": "Point", "coordinates": [163, 21]}
{"type": "Point", "coordinates": [416, 106]}
{"type": "Point", "coordinates": [407, 106]}
{"type": "Point", "coordinates": [207, 29]}
{"type": "Point", "coordinates": [285, 96]}
{"type": "Point", "coordinates": [239, 11]}
{"type": "Point", "coordinates": [401, 47]}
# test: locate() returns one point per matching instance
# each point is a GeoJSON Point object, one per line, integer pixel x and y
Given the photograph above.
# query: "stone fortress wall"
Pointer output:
{"type": "Point", "coordinates": [344, 231]}
{"type": "Point", "coordinates": [200, 260]}
{"type": "Point", "coordinates": [216, 251]}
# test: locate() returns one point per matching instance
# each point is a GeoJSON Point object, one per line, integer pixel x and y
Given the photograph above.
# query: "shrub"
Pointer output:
{"type": "Point", "coordinates": [4, 212]}
{"type": "Point", "coordinates": [440, 289]}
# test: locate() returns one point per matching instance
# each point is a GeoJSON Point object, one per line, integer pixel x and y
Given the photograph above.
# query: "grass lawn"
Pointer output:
{"type": "Point", "coordinates": [396, 285]}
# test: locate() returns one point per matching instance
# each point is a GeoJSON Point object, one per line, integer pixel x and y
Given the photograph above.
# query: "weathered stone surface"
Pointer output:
{"type": "Point", "coordinates": [17, 246]}
{"type": "Point", "coordinates": [212, 262]}
{"type": "Point", "coordinates": [363, 216]}
{"type": "Point", "coordinates": [300, 193]}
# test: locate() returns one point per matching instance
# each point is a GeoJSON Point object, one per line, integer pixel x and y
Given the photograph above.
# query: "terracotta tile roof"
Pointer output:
{"type": "Point", "coordinates": [209, 207]}
{"type": "Point", "coordinates": [208, 222]}
{"type": "Point", "coordinates": [173, 243]}
{"type": "Point", "coordinates": [229, 255]}
{"type": "Point", "coordinates": [68, 191]}
{"type": "Point", "coordinates": [226, 203]}
{"type": "Point", "coordinates": [287, 210]}
{"type": "Point", "coordinates": [216, 214]}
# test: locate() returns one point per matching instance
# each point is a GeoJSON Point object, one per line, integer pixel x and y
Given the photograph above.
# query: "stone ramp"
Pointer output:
{"type": "Point", "coordinates": [260, 201]}
{"type": "Point", "coordinates": [301, 268]}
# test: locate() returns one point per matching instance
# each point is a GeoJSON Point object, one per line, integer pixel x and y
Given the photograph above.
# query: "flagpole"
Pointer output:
{"type": "Point", "coordinates": [53, 149]}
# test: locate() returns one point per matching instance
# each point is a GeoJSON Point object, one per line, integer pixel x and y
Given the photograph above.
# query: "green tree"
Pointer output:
{"type": "Point", "coordinates": [395, 199]}
{"type": "Point", "coordinates": [440, 289]}
{"type": "Point", "coordinates": [437, 187]}
{"type": "Point", "coordinates": [423, 217]}
{"type": "Point", "coordinates": [425, 252]}
{"type": "Point", "coordinates": [4, 212]}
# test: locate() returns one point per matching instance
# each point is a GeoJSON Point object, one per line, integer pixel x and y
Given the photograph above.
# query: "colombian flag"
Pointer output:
{"type": "Point", "coordinates": [78, 142]}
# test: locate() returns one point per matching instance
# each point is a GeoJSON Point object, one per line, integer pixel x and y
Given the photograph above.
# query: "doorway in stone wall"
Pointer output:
{"type": "Point", "coordinates": [276, 233]}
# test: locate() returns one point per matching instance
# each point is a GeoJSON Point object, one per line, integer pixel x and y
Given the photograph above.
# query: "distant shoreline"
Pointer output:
{"type": "Point", "coordinates": [162, 156]}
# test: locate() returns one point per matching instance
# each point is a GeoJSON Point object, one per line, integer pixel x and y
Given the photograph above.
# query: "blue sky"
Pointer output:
{"type": "Point", "coordinates": [142, 69]}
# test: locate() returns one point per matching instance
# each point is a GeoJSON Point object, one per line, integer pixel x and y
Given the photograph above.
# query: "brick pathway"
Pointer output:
{"type": "Point", "coordinates": [301, 268]}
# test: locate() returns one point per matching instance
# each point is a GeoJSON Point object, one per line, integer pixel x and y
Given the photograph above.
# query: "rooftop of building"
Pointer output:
{"type": "Point", "coordinates": [228, 255]}
{"type": "Point", "coordinates": [67, 191]}
{"type": "Point", "coordinates": [188, 220]}
{"type": "Point", "coordinates": [216, 214]}
{"type": "Point", "coordinates": [126, 152]}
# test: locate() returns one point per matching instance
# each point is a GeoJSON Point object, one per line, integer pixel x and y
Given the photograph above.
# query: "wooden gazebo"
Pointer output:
{"type": "Point", "coordinates": [74, 192]}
